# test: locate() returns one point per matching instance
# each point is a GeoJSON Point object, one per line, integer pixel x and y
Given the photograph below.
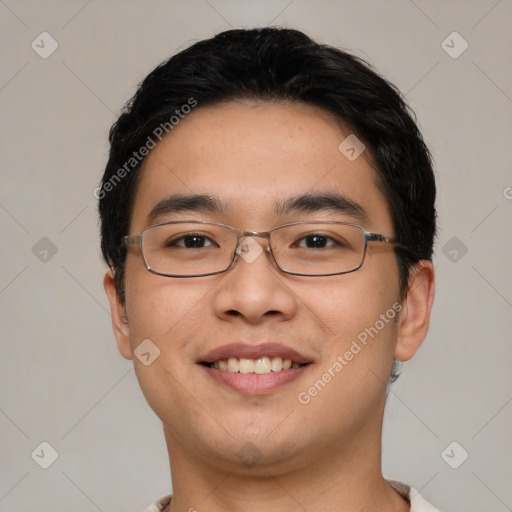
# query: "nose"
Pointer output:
{"type": "Point", "coordinates": [253, 290]}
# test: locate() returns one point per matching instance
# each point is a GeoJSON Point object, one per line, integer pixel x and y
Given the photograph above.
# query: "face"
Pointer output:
{"type": "Point", "coordinates": [341, 330]}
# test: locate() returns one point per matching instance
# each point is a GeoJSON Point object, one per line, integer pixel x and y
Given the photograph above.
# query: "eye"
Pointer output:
{"type": "Point", "coordinates": [191, 241]}
{"type": "Point", "coordinates": [316, 241]}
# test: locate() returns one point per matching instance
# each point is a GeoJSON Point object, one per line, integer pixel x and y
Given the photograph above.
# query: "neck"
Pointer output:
{"type": "Point", "coordinates": [341, 479]}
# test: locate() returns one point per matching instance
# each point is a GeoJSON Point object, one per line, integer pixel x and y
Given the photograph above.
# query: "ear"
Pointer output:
{"type": "Point", "coordinates": [118, 314]}
{"type": "Point", "coordinates": [416, 308]}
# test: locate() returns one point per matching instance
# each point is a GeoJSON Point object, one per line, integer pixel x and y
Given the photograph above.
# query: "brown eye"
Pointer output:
{"type": "Point", "coordinates": [316, 241]}
{"type": "Point", "coordinates": [191, 241]}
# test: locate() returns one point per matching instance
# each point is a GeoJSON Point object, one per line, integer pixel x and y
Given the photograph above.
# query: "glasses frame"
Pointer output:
{"type": "Point", "coordinates": [368, 237]}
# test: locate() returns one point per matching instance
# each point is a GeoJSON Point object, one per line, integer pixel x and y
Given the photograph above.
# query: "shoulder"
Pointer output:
{"type": "Point", "coordinates": [418, 503]}
{"type": "Point", "coordinates": [160, 504]}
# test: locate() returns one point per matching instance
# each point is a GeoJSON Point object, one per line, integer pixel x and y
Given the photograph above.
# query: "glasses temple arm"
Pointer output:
{"type": "Point", "coordinates": [132, 240]}
{"type": "Point", "coordinates": [375, 237]}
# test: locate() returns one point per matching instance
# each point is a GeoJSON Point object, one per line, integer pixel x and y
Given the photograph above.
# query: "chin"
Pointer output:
{"type": "Point", "coordinates": [257, 449]}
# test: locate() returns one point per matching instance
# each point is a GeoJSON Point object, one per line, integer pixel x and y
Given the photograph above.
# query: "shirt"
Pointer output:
{"type": "Point", "coordinates": [418, 504]}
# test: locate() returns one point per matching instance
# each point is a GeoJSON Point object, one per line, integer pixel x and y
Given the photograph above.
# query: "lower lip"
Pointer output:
{"type": "Point", "coordinates": [253, 383]}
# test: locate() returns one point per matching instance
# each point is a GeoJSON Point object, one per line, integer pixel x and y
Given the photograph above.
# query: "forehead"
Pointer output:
{"type": "Point", "coordinates": [254, 156]}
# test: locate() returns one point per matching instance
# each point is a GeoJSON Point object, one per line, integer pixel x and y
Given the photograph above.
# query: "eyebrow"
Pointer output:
{"type": "Point", "coordinates": [320, 202]}
{"type": "Point", "coordinates": [306, 203]}
{"type": "Point", "coordinates": [178, 203]}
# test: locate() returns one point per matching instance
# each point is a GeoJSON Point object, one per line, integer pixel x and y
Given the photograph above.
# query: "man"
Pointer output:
{"type": "Point", "coordinates": [268, 219]}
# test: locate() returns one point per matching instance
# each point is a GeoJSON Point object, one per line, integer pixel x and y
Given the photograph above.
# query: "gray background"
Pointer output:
{"type": "Point", "coordinates": [62, 380]}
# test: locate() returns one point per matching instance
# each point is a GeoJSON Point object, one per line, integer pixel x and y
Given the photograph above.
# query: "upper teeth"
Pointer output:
{"type": "Point", "coordinates": [258, 366]}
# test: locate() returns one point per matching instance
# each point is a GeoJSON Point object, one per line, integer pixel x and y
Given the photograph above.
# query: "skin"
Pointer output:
{"type": "Point", "coordinates": [322, 456]}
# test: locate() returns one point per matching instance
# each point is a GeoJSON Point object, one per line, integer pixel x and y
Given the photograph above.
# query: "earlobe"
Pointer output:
{"type": "Point", "coordinates": [118, 313]}
{"type": "Point", "coordinates": [416, 308]}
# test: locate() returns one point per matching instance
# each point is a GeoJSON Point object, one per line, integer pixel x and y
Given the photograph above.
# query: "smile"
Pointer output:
{"type": "Point", "coordinates": [258, 366]}
{"type": "Point", "coordinates": [254, 369]}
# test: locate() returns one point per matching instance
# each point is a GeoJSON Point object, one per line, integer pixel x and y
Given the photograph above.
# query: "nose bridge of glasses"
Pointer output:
{"type": "Point", "coordinates": [257, 234]}
{"type": "Point", "coordinates": [245, 245]}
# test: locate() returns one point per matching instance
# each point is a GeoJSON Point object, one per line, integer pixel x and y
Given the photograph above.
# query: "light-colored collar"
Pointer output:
{"type": "Point", "coordinates": [418, 504]}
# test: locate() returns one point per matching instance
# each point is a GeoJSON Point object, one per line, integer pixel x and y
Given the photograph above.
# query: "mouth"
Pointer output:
{"type": "Point", "coordinates": [254, 369]}
{"type": "Point", "coordinates": [259, 366]}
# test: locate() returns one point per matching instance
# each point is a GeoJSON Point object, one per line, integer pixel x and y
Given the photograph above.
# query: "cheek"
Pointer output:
{"type": "Point", "coordinates": [349, 303]}
{"type": "Point", "coordinates": [169, 312]}
{"type": "Point", "coordinates": [358, 353]}
{"type": "Point", "coordinates": [359, 313]}
{"type": "Point", "coordinates": [155, 304]}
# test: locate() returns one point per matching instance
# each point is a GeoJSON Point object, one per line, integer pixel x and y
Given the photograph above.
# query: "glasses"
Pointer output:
{"type": "Point", "coordinates": [196, 248]}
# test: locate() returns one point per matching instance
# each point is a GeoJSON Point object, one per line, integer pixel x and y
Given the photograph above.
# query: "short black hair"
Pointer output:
{"type": "Point", "coordinates": [275, 64]}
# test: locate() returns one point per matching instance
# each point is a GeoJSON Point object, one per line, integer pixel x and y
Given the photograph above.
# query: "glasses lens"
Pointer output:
{"type": "Point", "coordinates": [318, 248]}
{"type": "Point", "coordinates": [188, 248]}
